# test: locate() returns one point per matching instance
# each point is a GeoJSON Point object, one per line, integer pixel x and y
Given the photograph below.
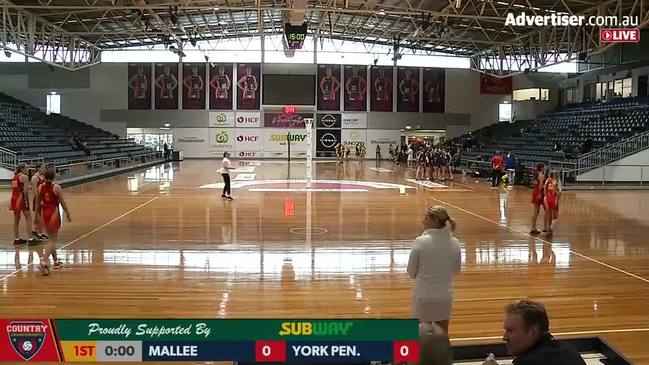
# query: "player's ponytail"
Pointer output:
{"type": "Point", "coordinates": [438, 213]}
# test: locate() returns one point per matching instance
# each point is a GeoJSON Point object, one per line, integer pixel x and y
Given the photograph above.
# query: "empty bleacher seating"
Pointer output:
{"type": "Point", "coordinates": [34, 135]}
{"type": "Point", "coordinates": [597, 124]}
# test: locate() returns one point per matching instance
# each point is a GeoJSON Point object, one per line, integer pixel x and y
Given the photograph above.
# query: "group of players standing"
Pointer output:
{"type": "Point", "coordinates": [344, 152]}
{"type": "Point", "coordinates": [546, 194]}
{"type": "Point", "coordinates": [433, 162]}
{"type": "Point", "coordinates": [47, 197]}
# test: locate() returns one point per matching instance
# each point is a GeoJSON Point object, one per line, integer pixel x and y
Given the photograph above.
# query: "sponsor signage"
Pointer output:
{"type": "Point", "coordinates": [248, 140]}
{"type": "Point", "coordinates": [383, 138]}
{"type": "Point", "coordinates": [194, 142]}
{"type": "Point", "coordinates": [277, 140]}
{"type": "Point", "coordinates": [328, 121]}
{"type": "Point", "coordinates": [221, 119]}
{"type": "Point", "coordinates": [221, 140]}
{"type": "Point", "coordinates": [353, 137]}
{"type": "Point", "coordinates": [248, 154]}
{"type": "Point", "coordinates": [283, 120]}
{"type": "Point", "coordinates": [326, 142]}
{"type": "Point", "coordinates": [354, 120]}
{"type": "Point", "coordinates": [248, 120]}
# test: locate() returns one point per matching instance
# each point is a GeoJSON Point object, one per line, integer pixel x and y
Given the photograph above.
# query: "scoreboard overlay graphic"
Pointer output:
{"type": "Point", "coordinates": [243, 340]}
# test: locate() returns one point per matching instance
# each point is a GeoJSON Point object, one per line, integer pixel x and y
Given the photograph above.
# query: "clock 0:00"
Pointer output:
{"type": "Point", "coordinates": [119, 351]}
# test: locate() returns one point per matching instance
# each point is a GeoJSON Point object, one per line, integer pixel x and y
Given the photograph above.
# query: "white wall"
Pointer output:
{"type": "Point", "coordinates": [6, 174]}
{"type": "Point", "coordinates": [463, 96]}
{"type": "Point", "coordinates": [635, 74]}
{"type": "Point", "coordinates": [627, 169]}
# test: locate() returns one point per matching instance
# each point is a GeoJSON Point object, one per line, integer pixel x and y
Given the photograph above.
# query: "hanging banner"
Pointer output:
{"type": "Point", "coordinates": [329, 87]}
{"type": "Point", "coordinates": [139, 86]}
{"type": "Point", "coordinates": [221, 86]}
{"type": "Point", "coordinates": [248, 86]}
{"type": "Point", "coordinates": [329, 121]}
{"type": "Point", "coordinates": [356, 88]}
{"type": "Point", "coordinates": [194, 85]}
{"type": "Point", "coordinates": [495, 85]}
{"type": "Point", "coordinates": [434, 90]}
{"type": "Point", "coordinates": [166, 86]}
{"type": "Point", "coordinates": [381, 89]}
{"type": "Point", "coordinates": [408, 89]}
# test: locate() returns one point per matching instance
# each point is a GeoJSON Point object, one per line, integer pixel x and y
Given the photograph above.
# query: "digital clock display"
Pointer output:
{"type": "Point", "coordinates": [295, 35]}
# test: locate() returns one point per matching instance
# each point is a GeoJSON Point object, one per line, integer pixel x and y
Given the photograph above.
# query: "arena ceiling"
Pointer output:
{"type": "Point", "coordinates": [72, 33]}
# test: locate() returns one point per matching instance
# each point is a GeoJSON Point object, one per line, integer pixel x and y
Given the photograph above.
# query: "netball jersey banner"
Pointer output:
{"type": "Point", "coordinates": [221, 86]}
{"type": "Point", "coordinates": [248, 86]}
{"type": "Point", "coordinates": [434, 90]}
{"type": "Point", "coordinates": [356, 88]}
{"type": "Point", "coordinates": [328, 87]}
{"type": "Point", "coordinates": [381, 89]}
{"type": "Point", "coordinates": [166, 86]}
{"type": "Point", "coordinates": [408, 89]}
{"type": "Point", "coordinates": [139, 86]}
{"type": "Point", "coordinates": [328, 121]}
{"type": "Point", "coordinates": [194, 85]}
{"type": "Point", "coordinates": [326, 142]}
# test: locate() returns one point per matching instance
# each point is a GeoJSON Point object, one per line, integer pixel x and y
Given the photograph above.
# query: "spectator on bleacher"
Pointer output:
{"type": "Point", "coordinates": [510, 165]}
{"type": "Point", "coordinates": [528, 338]}
{"type": "Point", "coordinates": [434, 260]}
{"type": "Point", "coordinates": [497, 167]}
{"type": "Point", "coordinates": [76, 142]}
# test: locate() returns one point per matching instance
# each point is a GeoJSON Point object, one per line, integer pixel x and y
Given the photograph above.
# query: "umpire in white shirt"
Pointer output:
{"type": "Point", "coordinates": [434, 260]}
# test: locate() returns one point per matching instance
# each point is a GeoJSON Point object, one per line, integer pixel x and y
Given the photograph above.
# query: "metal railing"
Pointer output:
{"type": "Point", "coordinates": [619, 174]}
{"type": "Point", "coordinates": [8, 158]}
{"type": "Point", "coordinates": [100, 167]}
{"type": "Point", "coordinates": [612, 152]}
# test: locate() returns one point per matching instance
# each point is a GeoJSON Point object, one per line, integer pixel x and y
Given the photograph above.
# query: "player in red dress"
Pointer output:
{"type": "Point", "coordinates": [20, 204]}
{"type": "Point", "coordinates": [551, 201]}
{"type": "Point", "coordinates": [50, 197]}
{"type": "Point", "coordinates": [537, 195]}
{"type": "Point", "coordinates": [37, 180]}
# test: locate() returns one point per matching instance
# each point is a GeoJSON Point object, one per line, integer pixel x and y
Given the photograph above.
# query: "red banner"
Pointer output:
{"type": "Point", "coordinates": [495, 85]}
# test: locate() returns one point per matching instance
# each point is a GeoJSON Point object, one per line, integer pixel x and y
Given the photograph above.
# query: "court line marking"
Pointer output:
{"type": "Point", "coordinates": [576, 333]}
{"type": "Point", "coordinates": [88, 234]}
{"type": "Point", "coordinates": [543, 240]}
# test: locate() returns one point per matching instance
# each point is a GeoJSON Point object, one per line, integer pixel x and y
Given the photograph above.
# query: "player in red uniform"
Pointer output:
{"type": "Point", "coordinates": [37, 180]}
{"type": "Point", "coordinates": [551, 201]}
{"type": "Point", "coordinates": [50, 197]}
{"type": "Point", "coordinates": [20, 204]}
{"type": "Point", "coordinates": [537, 195]}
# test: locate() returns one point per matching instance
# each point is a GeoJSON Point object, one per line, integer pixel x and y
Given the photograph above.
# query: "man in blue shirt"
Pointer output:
{"type": "Point", "coordinates": [510, 166]}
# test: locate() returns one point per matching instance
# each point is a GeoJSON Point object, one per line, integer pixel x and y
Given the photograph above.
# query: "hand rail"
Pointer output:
{"type": "Point", "coordinates": [8, 158]}
{"type": "Point", "coordinates": [613, 152]}
{"type": "Point", "coordinates": [154, 153]}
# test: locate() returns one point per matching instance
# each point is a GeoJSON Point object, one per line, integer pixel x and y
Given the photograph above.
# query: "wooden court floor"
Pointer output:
{"type": "Point", "coordinates": [174, 248]}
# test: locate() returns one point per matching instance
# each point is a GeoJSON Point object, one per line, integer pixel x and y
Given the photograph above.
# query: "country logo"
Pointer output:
{"type": "Point", "coordinates": [328, 140]}
{"type": "Point", "coordinates": [27, 337]}
{"type": "Point", "coordinates": [222, 137]}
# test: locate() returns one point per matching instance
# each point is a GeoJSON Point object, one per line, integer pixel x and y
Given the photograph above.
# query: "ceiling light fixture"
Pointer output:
{"type": "Point", "coordinates": [381, 11]}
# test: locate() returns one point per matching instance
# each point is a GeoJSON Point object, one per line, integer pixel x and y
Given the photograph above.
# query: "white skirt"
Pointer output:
{"type": "Point", "coordinates": [432, 310]}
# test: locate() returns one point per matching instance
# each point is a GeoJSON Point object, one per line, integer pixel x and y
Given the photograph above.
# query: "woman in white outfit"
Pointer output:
{"type": "Point", "coordinates": [434, 260]}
